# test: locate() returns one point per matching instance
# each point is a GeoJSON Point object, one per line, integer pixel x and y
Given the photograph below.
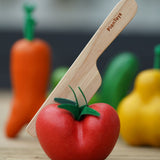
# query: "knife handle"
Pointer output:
{"type": "Point", "coordinates": [116, 21]}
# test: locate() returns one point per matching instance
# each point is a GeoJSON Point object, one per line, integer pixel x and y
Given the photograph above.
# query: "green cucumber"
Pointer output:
{"type": "Point", "coordinates": [117, 79]}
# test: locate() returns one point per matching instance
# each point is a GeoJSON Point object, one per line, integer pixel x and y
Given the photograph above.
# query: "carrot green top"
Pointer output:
{"type": "Point", "coordinates": [29, 23]}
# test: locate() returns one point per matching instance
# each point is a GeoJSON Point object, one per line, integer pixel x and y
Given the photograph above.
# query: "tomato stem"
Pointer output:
{"type": "Point", "coordinates": [74, 108]}
{"type": "Point", "coordinates": [83, 96]}
{"type": "Point", "coordinates": [74, 96]}
{"type": "Point", "coordinates": [29, 23]}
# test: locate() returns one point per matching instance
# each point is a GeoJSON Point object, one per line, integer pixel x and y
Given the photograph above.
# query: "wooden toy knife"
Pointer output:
{"type": "Point", "coordinates": [84, 73]}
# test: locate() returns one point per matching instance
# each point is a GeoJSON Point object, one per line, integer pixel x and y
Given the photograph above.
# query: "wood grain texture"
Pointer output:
{"type": "Point", "coordinates": [84, 73]}
{"type": "Point", "coordinates": [26, 147]}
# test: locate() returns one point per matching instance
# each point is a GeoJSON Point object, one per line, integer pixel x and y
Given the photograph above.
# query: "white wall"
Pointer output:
{"type": "Point", "coordinates": [84, 15]}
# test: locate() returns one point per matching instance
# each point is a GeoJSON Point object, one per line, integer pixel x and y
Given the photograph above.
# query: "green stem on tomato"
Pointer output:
{"type": "Point", "coordinates": [73, 107]}
{"type": "Point", "coordinates": [29, 23]}
{"type": "Point", "coordinates": [157, 57]}
{"type": "Point", "coordinates": [74, 96]}
{"type": "Point", "coordinates": [83, 96]}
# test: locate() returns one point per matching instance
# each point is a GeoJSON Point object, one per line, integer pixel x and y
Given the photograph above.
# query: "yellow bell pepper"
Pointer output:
{"type": "Point", "coordinates": [139, 112]}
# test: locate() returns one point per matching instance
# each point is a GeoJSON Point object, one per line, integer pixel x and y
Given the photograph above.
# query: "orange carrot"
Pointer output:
{"type": "Point", "coordinates": [30, 66]}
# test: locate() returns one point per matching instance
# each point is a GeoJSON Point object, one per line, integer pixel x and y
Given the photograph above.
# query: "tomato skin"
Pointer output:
{"type": "Point", "coordinates": [92, 138]}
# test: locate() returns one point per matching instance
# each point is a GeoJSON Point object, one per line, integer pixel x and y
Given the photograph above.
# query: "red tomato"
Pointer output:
{"type": "Point", "coordinates": [64, 138]}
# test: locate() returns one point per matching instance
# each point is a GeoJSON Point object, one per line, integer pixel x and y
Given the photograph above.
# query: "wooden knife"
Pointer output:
{"type": "Point", "coordinates": [84, 73]}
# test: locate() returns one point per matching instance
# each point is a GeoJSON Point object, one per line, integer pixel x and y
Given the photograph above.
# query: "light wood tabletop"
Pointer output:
{"type": "Point", "coordinates": [26, 147]}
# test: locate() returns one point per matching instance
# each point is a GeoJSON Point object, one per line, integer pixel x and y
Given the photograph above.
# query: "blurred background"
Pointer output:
{"type": "Point", "coordinates": [67, 25]}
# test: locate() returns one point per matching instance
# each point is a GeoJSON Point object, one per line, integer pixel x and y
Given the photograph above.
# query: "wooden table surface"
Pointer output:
{"type": "Point", "coordinates": [26, 147]}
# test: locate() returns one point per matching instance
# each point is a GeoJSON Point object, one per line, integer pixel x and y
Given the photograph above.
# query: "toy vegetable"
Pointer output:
{"type": "Point", "coordinates": [67, 131]}
{"type": "Point", "coordinates": [117, 79]}
{"type": "Point", "coordinates": [140, 111]}
{"type": "Point", "coordinates": [57, 75]}
{"type": "Point", "coordinates": [30, 64]}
